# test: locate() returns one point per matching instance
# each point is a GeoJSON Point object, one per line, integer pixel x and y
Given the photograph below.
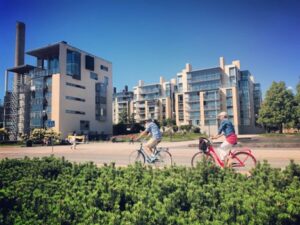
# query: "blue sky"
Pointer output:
{"type": "Point", "coordinates": [148, 39]}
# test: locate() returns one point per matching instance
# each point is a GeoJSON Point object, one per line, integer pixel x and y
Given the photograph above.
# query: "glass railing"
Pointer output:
{"type": "Point", "coordinates": [43, 72]}
{"type": "Point", "coordinates": [149, 91]}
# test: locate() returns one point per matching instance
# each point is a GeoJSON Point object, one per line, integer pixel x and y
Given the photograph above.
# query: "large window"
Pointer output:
{"type": "Point", "coordinates": [101, 101]}
{"type": "Point", "coordinates": [84, 125]}
{"type": "Point", "coordinates": [73, 64]}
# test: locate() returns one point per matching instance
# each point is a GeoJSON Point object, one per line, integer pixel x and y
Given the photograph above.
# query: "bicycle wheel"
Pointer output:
{"type": "Point", "coordinates": [243, 162]}
{"type": "Point", "coordinates": [200, 157]}
{"type": "Point", "coordinates": [136, 156]}
{"type": "Point", "coordinates": [164, 158]}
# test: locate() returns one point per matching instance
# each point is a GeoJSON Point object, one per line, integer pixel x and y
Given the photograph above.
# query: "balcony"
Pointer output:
{"type": "Point", "coordinates": [36, 73]}
{"type": "Point", "coordinates": [203, 79]}
{"type": "Point", "coordinates": [212, 108]}
{"type": "Point", "coordinates": [191, 109]}
{"type": "Point", "coordinates": [149, 91]}
{"type": "Point", "coordinates": [191, 100]}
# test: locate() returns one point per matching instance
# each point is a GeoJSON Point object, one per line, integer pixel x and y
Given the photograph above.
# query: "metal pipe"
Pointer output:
{"type": "Point", "coordinates": [6, 82]}
{"type": "Point", "coordinates": [19, 51]}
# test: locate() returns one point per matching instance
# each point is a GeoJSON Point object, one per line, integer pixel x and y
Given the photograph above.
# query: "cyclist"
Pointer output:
{"type": "Point", "coordinates": [151, 129]}
{"type": "Point", "coordinates": [226, 128]}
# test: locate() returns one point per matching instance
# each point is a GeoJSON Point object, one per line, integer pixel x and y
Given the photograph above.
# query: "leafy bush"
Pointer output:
{"type": "Point", "coordinates": [186, 127]}
{"type": "Point", "coordinates": [38, 135]}
{"type": "Point", "coordinates": [54, 191]}
{"type": "Point", "coordinates": [196, 130]}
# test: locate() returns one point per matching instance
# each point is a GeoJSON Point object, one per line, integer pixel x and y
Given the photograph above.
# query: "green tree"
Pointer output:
{"type": "Point", "coordinates": [39, 134]}
{"type": "Point", "coordinates": [297, 110]}
{"type": "Point", "coordinates": [278, 107]}
{"type": "Point", "coordinates": [131, 119]}
{"type": "Point", "coordinates": [123, 116]}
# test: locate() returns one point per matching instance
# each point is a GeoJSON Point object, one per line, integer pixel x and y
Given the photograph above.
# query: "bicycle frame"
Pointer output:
{"type": "Point", "coordinates": [145, 153]}
{"type": "Point", "coordinates": [215, 156]}
{"type": "Point", "coordinates": [232, 154]}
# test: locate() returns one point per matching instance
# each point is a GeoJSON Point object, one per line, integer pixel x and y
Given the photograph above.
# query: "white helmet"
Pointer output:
{"type": "Point", "coordinates": [222, 114]}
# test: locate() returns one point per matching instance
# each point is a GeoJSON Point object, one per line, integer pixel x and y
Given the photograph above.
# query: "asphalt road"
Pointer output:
{"type": "Point", "coordinates": [106, 152]}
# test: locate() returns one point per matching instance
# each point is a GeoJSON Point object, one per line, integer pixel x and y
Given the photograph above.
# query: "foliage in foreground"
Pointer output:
{"type": "Point", "coordinates": [54, 191]}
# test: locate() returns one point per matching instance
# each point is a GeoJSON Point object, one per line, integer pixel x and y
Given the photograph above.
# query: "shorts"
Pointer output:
{"type": "Point", "coordinates": [152, 143]}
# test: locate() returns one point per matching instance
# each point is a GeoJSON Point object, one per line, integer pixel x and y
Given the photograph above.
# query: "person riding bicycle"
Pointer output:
{"type": "Point", "coordinates": [152, 129]}
{"type": "Point", "coordinates": [226, 128]}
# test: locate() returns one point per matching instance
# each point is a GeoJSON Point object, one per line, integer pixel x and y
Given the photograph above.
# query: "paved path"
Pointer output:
{"type": "Point", "coordinates": [106, 152]}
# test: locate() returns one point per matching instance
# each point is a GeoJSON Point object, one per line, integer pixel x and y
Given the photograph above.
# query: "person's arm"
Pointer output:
{"type": "Point", "coordinates": [220, 134]}
{"type": "Point", "coordinates": [141, 135]}
{"type": "Point", "coordinates": [217, 136]}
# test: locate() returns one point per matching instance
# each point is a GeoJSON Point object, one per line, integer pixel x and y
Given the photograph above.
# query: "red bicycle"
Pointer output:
{"type": "Point", "coordinates": [242, 159]}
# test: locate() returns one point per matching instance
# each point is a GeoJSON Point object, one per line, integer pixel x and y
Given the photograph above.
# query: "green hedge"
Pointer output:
{"type": "Point", "coordinates": [54, 191]}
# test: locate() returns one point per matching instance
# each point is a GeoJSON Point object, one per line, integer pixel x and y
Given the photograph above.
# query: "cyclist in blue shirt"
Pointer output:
{"type": "Point", "coordinates": [227, 129]}
{"type": "Point", "coordinates": [151, 129]}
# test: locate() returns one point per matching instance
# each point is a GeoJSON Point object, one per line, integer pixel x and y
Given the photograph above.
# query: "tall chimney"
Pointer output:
{"type": "Point", "coordinates": [19, 50]}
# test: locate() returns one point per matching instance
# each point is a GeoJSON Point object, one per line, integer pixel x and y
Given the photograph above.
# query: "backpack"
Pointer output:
{"type": "Point", "coordinates": [203, 145]}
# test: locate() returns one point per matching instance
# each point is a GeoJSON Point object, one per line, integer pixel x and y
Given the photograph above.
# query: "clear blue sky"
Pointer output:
{"type": "Point", "coordinates": [147, 39]}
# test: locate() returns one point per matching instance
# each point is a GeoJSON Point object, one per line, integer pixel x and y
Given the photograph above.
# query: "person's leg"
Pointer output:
{"type": "Point", "coordinates": [149, 146]}
{"type": "Point", "coordinates": [223, 150]}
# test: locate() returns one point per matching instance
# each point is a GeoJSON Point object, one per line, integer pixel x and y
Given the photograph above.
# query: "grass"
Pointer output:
{"type": "Point", "coordinates": [166, 137]}
{"type": "Point", "coordinates": [11, 144]}
{"type": "Point", "coordinates": [280, 135]}
{"type": "Point", "coordinates": [182, 137]}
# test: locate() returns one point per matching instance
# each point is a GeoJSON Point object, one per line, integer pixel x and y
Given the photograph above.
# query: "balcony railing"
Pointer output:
{"type": "Point", "coordinates": [43, 73]}
{"type": "Point", "coordinates": [192, 99]}
{"type": "Point", "coordinates": [149, 91]}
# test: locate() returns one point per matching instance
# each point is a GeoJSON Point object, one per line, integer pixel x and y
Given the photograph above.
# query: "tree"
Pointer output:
{"type": "Point", "coordinates": [278, 107]}
{"type": "Point", "coordinates": [38, 135]}
{"type": "Point", "coordinates": [123, 116]}
{"type": "Point", "coordinates": [297, 104]}
{"type": "Point", "coordinates": [131, 119]}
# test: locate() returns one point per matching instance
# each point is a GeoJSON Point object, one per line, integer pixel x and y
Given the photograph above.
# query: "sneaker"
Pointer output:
{"type": "Point", "coordinates": [151, 159]}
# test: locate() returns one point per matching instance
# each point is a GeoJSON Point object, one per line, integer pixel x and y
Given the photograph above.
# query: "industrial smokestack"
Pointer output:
{"type": "Point", "coordinates": [19, 50]}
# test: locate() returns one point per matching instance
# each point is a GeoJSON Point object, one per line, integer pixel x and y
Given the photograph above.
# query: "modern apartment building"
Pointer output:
{"type": "Point", "coordinates": [202, 94]}
{"type": "Point", "coordinates": [122, 105]}
{"type": "Point", "coordinates": [69, 86]}
{"type": "Point", "coordinates": [154, 100]}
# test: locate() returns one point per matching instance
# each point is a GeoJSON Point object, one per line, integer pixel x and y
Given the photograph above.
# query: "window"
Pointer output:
{"type": "Point", "coordinates": [75, 98]}
{"type": "Point", "coordinates": [75, 85]}
{"type": "Point", "coordinates": [232, 71]}
{"type": "Point", "coordinates": [75, 112]}
{"type": "Point", "coordinates": [106, 80]}
{"type": "Point", "coordinates": [84, 125]}
{"type": "Point", "coordinates": [89, 62]}
{"type": "Point", "coordinates": [101, 101]}
{"type": "Point", "coordinates": [93, 76]}
{"type": "Point", "coordinates": [73, 64]}
{"type": "Point", "coordinates": [105, 68]}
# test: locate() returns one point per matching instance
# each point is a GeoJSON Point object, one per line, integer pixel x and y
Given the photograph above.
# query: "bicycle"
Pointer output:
{"type": "Point", "coordinates": [242, 160]}
{"type": "Point", "coordinates": [162, 156]}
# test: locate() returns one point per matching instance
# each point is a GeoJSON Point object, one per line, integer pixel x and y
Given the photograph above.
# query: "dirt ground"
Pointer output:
{"type": "Point", "coordinates": [106, 152]}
